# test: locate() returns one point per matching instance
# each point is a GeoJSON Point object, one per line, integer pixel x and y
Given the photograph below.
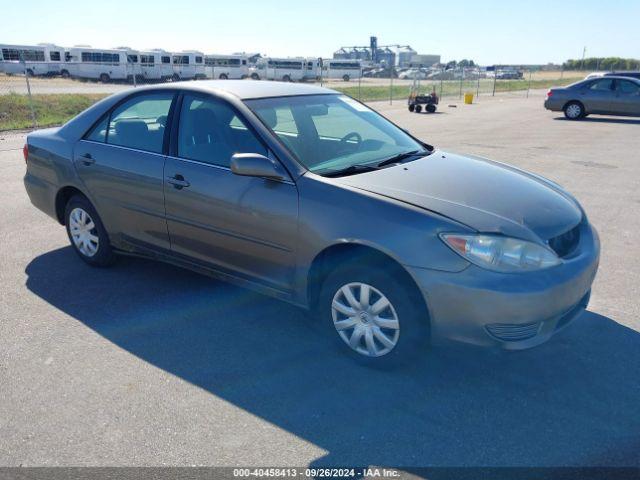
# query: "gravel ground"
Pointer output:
{"type": "Point", "coordinates": [147, 364]}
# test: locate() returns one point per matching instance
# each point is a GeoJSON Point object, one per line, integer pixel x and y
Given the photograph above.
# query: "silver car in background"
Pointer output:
{"type": "Point", "coordinates": [307, 195]}
{"type": "Point", "coordinates": [604, 95]}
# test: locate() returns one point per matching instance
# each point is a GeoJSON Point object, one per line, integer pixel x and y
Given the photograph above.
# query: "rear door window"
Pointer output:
{"type": "Point", "coordinates": [602, 85]}
{"type": "Point", "coordinates": [140, 122]}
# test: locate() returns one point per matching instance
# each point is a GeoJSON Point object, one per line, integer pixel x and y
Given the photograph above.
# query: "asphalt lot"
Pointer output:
{"type": "Point", "coordinates": [146, 364]}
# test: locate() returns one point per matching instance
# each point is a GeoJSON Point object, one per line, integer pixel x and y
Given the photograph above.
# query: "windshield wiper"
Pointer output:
{"type": "Point", "coordinates": [351, 170]}
{"type": "Point", "coordinates": [402, 156]}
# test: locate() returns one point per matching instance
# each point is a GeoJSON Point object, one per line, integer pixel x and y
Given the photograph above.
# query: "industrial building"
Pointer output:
{"type": "Point", "coordinates": [400, 56]}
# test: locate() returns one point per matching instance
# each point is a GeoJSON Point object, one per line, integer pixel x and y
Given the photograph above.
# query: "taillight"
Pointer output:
{"type": "Point", "coordinates": [549, 93]}
{"type": "Point", "coordinates": [25, 152]}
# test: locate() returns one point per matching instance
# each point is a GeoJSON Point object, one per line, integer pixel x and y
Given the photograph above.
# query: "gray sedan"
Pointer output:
{"type": "Point", "coordinates": [307, 195]}
{"type": "Point", "coordinates": [609, 95]}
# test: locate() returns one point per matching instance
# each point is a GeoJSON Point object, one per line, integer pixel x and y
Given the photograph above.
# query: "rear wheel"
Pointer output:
{"type": "Point", "coordinates": [346, 78]}
{"type": "Point", "coordinates": [286, 78]}
{"type": "Point", "coordinates": [418, 108]}
{"type": "Point", "coordinates": [223, 76]}
{"type": "Point", "coordinates": [255, 76]}
{"type": "Point", "coordinates": [65, 74]}
{"type": "Point", "coordinates": [29, 72]}
{"type": "Point", "coordinates": [431, 108]}
{"type": "Point", "coordinates": [412, 107]}
{"type": "Point", "coordinates": [373, 317]}
{"type": "Point", "coordinates": [104, 77]}
{"type": "Point", "coordinates": [574, 110]}
{"type": "Point", "coordinates": [175, 77]}
{"type": "Point", "coordinates": [86, 233]}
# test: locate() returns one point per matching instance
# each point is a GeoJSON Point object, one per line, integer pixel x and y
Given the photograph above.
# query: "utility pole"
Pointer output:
{"type": "Point", "coordinates": [584, 52]}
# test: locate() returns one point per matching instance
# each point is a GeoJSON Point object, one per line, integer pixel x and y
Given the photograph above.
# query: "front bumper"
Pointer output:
{"type": "Point", "coordinates": [512, 311]}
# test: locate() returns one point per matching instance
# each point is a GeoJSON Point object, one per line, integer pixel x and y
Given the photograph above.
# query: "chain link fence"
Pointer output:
{"type": "Point", "coordinates": [36, 94]}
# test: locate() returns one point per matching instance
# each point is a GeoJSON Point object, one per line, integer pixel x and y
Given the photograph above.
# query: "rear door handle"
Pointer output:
{"type": "Point", "coordinates": [178, 181]}
{"type": "Point", "coordinates": [87, 159]}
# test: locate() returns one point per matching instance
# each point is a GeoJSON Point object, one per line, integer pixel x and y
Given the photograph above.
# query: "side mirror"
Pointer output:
{"type": "Point", "coordinates": [255, 165]}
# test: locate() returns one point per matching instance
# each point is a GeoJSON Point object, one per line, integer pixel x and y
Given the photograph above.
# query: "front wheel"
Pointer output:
{"type": "Point", "coordinates": [373, 317]}
{"type": "Point", "coordinates": [431, 108]}
{"type": "Point", "coordinates": [418, 108]}
{"type": "Point", "coordinates": [87, 234]}
{"type": "Point", "coordinates": [104, 78]}
{"type": "Point", "coordinates": [574, 110]}
{"type": "Point", "coordinates": [346, 78]}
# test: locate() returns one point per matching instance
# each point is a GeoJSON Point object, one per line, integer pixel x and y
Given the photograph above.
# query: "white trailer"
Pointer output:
{"type": "Point", "coordinates": [188, 65]}
{"type": "Point", "coordinates": [101, 64]}
{"type": "Point", "coordinates": [155, 65]}
{"type": "Point", "coordinates": [341, 69]}
{"type": "Point", "coordinates": [284, 69]}
{"type": "Point", "coordinates": [226, 66]}
{"type": "Point", "coordinates": [32, 60]}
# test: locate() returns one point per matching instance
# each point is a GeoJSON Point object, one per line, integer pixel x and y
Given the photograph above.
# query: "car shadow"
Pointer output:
{"type": "Point", "coordinates": [573, 401]}
{"type": "Point", "coordinates": [630, 121]}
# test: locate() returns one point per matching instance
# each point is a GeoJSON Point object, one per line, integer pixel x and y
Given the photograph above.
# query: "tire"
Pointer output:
{"type": "Point", "coordinates": [65, 74]}
{"type": "Point", "coordinates": [286, 78]}
{"type": "Point", "coordinates": [574, 110]}
{"type": "Point", "coordinates": [90, 244]}
{"type": "Point", "coordinates": [104, 78]}
{"type": "Point", "coordinates": [255, 76]}
{"type": "Point", "coordinates": [418, 108]}
{"type": "Point", "coordinates": [223, 76]}
{"type": "Point", "coordinates": [431, 108]}
{"type": "Point", "coordinates": [409, 340]}
{"type": "Point", "coordinates": [412, 107]}
{"type": "Point", "coordinates": [346, 78]}
{"type": "Point", "coordinates": [30, 73]}
{"type": "Point", "coordinates": [175, 77]}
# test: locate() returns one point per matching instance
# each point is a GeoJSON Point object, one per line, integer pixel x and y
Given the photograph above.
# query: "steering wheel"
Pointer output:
{"type": "Point", "coordinates": [347, 137]}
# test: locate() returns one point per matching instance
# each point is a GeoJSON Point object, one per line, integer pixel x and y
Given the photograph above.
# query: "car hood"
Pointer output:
{"type": "Point", "coordinates": [487, 196]}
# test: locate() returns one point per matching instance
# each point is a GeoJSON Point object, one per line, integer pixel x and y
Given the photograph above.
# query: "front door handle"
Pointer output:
{"type": "Point", "coordinates": [178, 181]}
{"type": "Point", "coordinates": [87, 159]}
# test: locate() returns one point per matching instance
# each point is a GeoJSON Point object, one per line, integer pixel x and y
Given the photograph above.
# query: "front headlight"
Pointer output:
{"type": "Point", "coordinates": [501, 254]}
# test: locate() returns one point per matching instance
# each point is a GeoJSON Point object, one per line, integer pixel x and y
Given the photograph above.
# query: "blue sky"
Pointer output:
{"type": "Point", "coordinates": [487, 31]}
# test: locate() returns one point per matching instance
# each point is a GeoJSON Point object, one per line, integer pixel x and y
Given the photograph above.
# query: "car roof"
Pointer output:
{"type": "Point", "coordinates": [246, 89]}
{"type": "Point", "coordinates": [620, 76]}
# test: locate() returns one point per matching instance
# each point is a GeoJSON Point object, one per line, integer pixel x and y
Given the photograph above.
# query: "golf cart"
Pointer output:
{"type": "Point", "coordinates": [417, 101]}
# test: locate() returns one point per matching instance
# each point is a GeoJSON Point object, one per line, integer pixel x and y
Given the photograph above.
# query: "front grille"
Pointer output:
{"type": "Point", "coordinates": [566, 243]}
{"type": "Point", "coordinates": [511, 332]}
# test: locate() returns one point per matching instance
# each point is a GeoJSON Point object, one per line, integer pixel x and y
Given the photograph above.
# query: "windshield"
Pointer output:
{"type": "Point", "coordinates": [329, 133]}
